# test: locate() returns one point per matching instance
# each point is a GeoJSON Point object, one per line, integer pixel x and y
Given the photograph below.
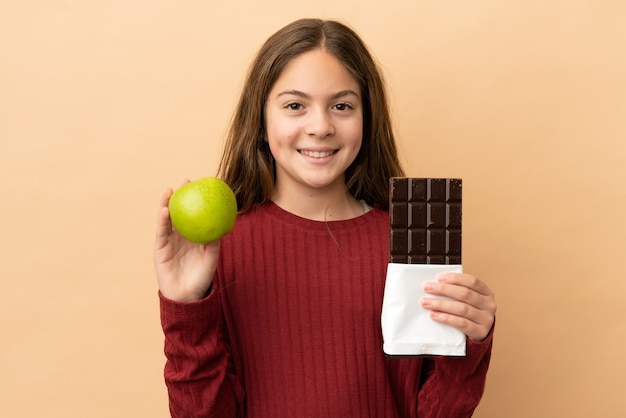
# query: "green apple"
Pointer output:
{"type": "Point", "coordinates": [203, 210]}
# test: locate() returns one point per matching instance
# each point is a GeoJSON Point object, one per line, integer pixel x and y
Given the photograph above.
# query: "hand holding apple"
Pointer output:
{"type": "Point", "coordinates": [190, 222]}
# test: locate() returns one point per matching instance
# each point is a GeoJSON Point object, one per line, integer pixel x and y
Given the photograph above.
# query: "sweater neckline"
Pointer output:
{"type": "Point", "coordinates": [284, 216]}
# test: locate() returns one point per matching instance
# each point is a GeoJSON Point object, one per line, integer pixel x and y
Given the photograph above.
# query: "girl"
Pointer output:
{"type": "Point", "coordinates": [281, 317]}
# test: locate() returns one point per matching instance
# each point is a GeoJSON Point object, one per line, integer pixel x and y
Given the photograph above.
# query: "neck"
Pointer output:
{"type": "Point", "coordinates": [330, 204]}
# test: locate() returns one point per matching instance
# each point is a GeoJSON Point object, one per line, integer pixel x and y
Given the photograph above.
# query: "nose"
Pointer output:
{"type": "Point", "coordinates": [319, 124]}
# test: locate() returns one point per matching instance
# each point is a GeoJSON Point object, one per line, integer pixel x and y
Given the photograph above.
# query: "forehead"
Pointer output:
{"type": "Point", "coordinates": [315, 71]}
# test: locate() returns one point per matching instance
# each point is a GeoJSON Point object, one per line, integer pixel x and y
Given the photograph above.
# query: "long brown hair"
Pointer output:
{"type": "Point", "coordinates": [247, 164]}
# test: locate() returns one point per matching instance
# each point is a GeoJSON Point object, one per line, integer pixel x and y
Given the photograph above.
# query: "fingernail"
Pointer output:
{"type": "Point", "coordinates": [428, 286]}
{"type": "Point", "coordinates": [443, 277]}
{"type": "Point", "coordinates": [426, 302]}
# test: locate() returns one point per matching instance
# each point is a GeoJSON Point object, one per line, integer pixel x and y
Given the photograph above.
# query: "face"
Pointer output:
{"type": "Point", "coordinates": [314, 123]}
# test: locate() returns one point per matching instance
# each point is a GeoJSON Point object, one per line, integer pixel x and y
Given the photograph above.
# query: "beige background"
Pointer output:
{"type": "Point", "coordinates": [104, 103]}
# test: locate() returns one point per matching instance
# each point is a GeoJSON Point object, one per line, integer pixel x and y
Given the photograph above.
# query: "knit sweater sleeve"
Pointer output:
{"type": "Point", "coordinates": [453, 386]}
{"type": "Point", "coordinates": [198, 372]}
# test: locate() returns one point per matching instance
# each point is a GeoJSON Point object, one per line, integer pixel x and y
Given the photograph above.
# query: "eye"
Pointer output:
{"type": "Point", "coordinates": [293, 106]}
{"type": "Point", "coordinates": [342, 106]}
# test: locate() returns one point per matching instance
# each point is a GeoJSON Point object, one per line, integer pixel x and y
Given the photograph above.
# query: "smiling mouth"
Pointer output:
{"type": "Point", "coordinates": [317, 154]}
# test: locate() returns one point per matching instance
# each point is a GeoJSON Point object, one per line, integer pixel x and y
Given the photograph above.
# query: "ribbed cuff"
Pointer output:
{"type": "Point", "coordinates": [189, 311]}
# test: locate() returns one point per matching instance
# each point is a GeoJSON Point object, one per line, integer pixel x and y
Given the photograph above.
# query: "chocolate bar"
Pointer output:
{"type": "Point", "coordinates": [425, 220]}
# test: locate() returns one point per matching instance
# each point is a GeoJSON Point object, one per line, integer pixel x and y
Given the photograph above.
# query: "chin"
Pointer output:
{"type": "Point", "coordinates": [324, 183]}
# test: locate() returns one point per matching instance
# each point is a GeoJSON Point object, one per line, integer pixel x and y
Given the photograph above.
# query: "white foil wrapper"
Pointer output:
{"type": "Point", "coordinates": [408, 329]}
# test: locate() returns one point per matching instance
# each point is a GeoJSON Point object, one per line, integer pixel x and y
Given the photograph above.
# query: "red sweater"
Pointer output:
{"type": "Point", "coordinates": [292, 329]}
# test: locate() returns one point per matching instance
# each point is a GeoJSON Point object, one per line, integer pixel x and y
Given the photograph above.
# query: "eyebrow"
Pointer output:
{"type": "Point", "coordinates": [304, 95]}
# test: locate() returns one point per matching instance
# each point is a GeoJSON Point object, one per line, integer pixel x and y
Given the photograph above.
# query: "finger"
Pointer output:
{"type": "Point", "coordinates": [475, 331]}
{"type": "Point", "coordinates": [466, 280]}
{"type": "Point", "coordinates": [469, 304]}
{"type": "Point", "coordinates": [163, 214]}
{"type": "Point", "coordinates": [455, 308]}
{"type": "Point", "coordinates": [473, 322]}
{"type": "Point", "coordinates": [181, 184]}
{"type": "Point", "coordinates": [164, 225]}
{"type": "Point", "coordinates": [456, 292]}
{"type": "Point", "coordinates": [165, 198]}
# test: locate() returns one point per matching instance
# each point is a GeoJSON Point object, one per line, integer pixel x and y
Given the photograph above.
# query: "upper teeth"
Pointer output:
{"type": "Point", "coordinates": [316, 154]}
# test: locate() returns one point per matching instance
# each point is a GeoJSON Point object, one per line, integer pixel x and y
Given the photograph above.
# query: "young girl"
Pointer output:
{"type": "Point", "coordinates": [281, 318]}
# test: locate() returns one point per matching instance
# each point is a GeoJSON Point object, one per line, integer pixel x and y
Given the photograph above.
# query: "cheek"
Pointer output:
{"type": "Point", "coordinates": [278, 139]}
{"type": "Point", "coordinates": [357, 136]}
{"type": "Point", "coordinates": [357, 129]}
{"type": "Point", "coordinates": [280, 132]}
{"type": "Point", "coordinates": [357, 141]}
{"type": "Point", "coordinates": [271, 129]}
